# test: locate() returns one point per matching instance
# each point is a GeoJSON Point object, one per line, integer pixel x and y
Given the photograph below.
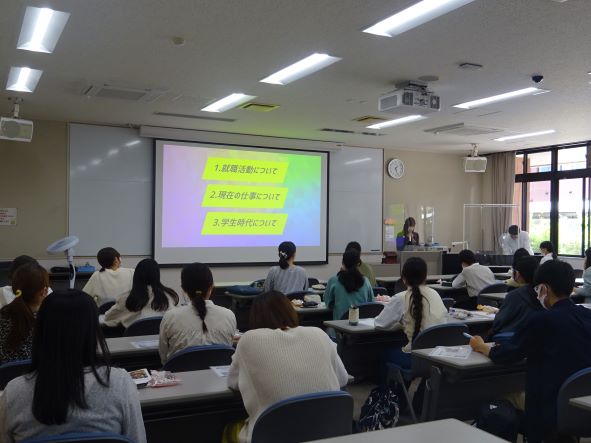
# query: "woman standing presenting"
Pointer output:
{"type": "Point", "coordinates": [411, 238]}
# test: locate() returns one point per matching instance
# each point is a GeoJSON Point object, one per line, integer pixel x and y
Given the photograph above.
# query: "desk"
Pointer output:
{"type": "Point", "coordinates": [581, 403]}
{"type": "Point", "coordinates": [314, 316]}
{"type": "Point", "coordinates": [457, 387]}
{"type": "Point", "coordinates": [125, 355]}
{"type": "Point", "coordinates": [201, 405]}
{"type": "Point", "coordinates": [442, 431]}
{"type": "Point", "coordinates": [61, 280]}
{"type": "Point", "coordinates": [497, 298]}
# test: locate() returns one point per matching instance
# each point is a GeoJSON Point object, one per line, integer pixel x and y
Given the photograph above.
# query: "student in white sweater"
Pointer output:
{"type": "Point", "coordinates": [548, 251]}
{"type": "Point", "coordinates": [69, 387]}
{"type": "Point", "coordinates": [201, 322]}
{"type": "Point", "coordinates": [474, 277]}
{"type": "Point", "coordinates": [279, 359]}
{"type": "Point", "coordinates": [111, 282]}
{"type": "Point", "coordinates": [416, 309]}
{"type": "Point", "coordinates": [148, 297]}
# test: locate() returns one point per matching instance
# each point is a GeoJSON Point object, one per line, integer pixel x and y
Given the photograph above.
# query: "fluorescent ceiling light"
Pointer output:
{"type": "Point", "coordinates": [501, 97]}
{"type": "Point", "coordinates": [229, 102]}
{"type": "Point", "coordinates": [396, 122]}
{"type": "Point", "coordinates": [300, 69]}
{"type": "Point", "coordinates": [23, 79]}
{"type": "Point", "coordinates": [41, 29]}
{"type": "Point", "coordinates": [414, 16]}
{"type": "Point", "coordinates": [530, 134]}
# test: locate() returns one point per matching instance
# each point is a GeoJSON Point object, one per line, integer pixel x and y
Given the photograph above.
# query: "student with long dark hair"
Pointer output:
{"type": "Point", "coordinates": [417, 308]}
{"type": "Point", "coordinates": [278, 359]}
{"type": "Point", "coordinates": [112, 281]}
{"type": "Point", "coordinates": [148, 297]}
{"type": "Point", "coordinates": [30, 285]}
{"type": "Point", "coordinates": [70, 387]}
{"type": "Point", "coordinates": [201, 322]}
{"type": "Point", "coordinates": [349, 287]}
{"type": "Point", "coordinates": [364, 268]}
{"type": "Point", "coordinates": [287, 277]}
{"type": "Point", "coordinates": [548, 251]}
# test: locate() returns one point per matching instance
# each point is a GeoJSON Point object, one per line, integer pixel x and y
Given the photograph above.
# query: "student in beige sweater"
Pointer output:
{"type": "Point", "coordinates": [278, 359]}
{"type": "Point", "coordinates": [112, 281]}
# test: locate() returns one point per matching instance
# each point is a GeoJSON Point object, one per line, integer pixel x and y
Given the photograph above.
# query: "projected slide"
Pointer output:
{"type": "Point", "coordinates": [226, 204]}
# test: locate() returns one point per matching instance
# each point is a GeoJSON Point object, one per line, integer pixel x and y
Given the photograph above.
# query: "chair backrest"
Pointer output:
{"type": "Point", "coordinates": [298, 295]}
{"type": "Point", "coordinates": [305, 418]}
{"type": "Point", "coordinates": [399, 286]}
{"type": "Point", "coordinates": [570, 419]}
{"type": "Point", "coordinates": [13, 369]}
{"type": "Point", "coordinates": [312, 281]}
{"type": "Point", "coordinates": [106, 306]}
{"type": "Point", "coordinates": [495, 288]}
{"type": "Point", "coordinates": [367, 310]}
{"type": "Point", "coordinates": [81, 437]}
{"type": "Point", "coordinates": [447, 334]}
{"type": "Point", "coordinates": [144, 326]}
{"type": "Point", "coordinates": [197, 358]}
{"type": "Point", "coordinates": [258, 283]}
{"type": "Point", "coordinates": [448, 302]}
{"type": "Point", "coordinates": [379, 290]}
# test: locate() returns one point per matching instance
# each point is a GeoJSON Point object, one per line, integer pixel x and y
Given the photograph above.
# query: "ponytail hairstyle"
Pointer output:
{"type": "Point", "coordinates": [106, 258]}
{"type": "Point", "coordinates": [549, 246]}
{"type": "Point", "coordinates": [147, 273]}
{"type": "Point", "coordinates": [286, 251]}
{"type": "Point", "coordinates": [351, 278]}
{"type": "Point", "coordinates": [18, 262]}
{"type": "Point", "coordinates": [27, 281]}
{"type": "Point", "coordinates": [414, 273]}
{"type": "Point", "coordinates": [197, 281]}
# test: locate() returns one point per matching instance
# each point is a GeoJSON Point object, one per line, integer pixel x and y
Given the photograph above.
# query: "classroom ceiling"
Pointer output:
{"type": "Point", "coordinates": [230, 45]}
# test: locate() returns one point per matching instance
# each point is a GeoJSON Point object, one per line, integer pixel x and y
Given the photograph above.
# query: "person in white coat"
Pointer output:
{"type": "Point", "coordinates": [112, 281]}
{"type": "Point", "coordinates": [514, 239]}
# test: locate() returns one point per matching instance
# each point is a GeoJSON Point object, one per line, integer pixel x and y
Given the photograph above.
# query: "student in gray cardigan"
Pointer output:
{"type": "Point", "coordinates": [287, 277]}
{"type": "Point", "coordinates": [69, 389]}
{"type": "Point", "coordinates": [520, 302]}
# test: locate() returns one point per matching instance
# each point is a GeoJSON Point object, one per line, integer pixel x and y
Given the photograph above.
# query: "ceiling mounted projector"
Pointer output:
{"type": "Point", "coordinates": [16, 129]}
{"type": "Point", "coordinates": [410, 98]}
{"type": "Point", "coordinates": [474, 163]}
{"type": "Point", "coordinates": [66, 245]}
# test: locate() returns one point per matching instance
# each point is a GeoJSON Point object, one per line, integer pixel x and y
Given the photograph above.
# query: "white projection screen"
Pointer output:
{"type": "Point", "coordinates": [228, 204]}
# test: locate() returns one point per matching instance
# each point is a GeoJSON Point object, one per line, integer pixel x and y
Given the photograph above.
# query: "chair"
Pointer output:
{"type": "Point", "coordinates": [106, 306]}
{"type": "Point", "coordinates": [379, 290]}
{"type": "Point", "coordinates": [144, 326]}
{"type": "Point", "coordinates": [298, 295]}
{"type": "Point", "coordinates": [367, 310]}
{"type": "Point", "coordinates": [13, 369]}
{"type": "Point", "coordinates": [81, 437]}
{"type": "Point", "coordinates": [448, 302]}
{"type": "Point", "coordinates": [447, 334]}
{"type": "Point", "coordinates": [495, 288]}
{"type": "Point", "coordinates": [305, 418]}
{"type": "Point", "coordinates": [313, 281]}
{"type": "Point", "coordinates": [197, 358]}
{"type": "Point", "coordinates": [570, 419]}
{"type": "Point", "coordinates": [579, 273]}
{"type": "Point", "coordinates": [258, 283]}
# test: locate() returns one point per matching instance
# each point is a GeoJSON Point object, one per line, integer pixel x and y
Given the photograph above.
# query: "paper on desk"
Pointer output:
{"type": "Point", "coordinates": [141, 344]}
{"type": "Point", "coordinates": [461, 352]}
{"type": "Point", "coordinates": [221, 371]}
{"type": "Point", "coordinates": [367, 322]}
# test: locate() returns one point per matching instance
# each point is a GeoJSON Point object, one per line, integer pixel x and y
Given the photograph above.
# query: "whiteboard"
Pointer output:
{"type": "Point", "coordinates": [355, 198]}
{"type": "Point", "coordinates": [110, 189]}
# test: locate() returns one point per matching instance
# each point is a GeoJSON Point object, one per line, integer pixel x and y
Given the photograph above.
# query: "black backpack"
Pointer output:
{"type": "Point", "coordinates": [500, 418]}
{"type": "Point", "coordinates": [380, 410]}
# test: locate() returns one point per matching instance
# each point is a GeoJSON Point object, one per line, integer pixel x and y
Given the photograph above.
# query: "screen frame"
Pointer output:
{"type": "Point", "coordinates": [240, 264]}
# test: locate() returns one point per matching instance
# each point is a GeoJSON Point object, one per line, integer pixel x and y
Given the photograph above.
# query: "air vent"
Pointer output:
{"type": "Point", "coordinates": [463, 129]}
{"type": "Point", "coordinates": [259, 107]}
{"type": "Point", "coordinates": [122, 93]}
{"type": "Point", "coordinates": [369, 119]}
{"type": "Point", "coordinates": [195, 117]}
{"type": "Point", "coordinates": [348, 131]}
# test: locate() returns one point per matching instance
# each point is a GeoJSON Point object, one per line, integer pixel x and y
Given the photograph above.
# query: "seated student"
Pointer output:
{"type": "Point", "coordinates": [70, 388]}
{"type": "Point", "coordinates": [278, 359]}
{"type": "Point", "coordinates": [29, 283]}
{"type": "Point", "coordinates": [585, 290]}
{"type": "Point", "coordinates": [556, 343]}
{"type": "Point", "coordinates": [417, 308]}
{"type": "Point", "coordinates": [148, 297]}
{"type": "Point", "coordinates": [111, 282]}
{"type": "Point", "coordinates": [519, 303]}
{"type": "Point", "coordinates": [348, 287]}
{"type": "Point", "coordinates": [520, 253]}
{"type": "Point", "coordinates": [6, 293]}
{"type": "Point", "coordinates": [364, 268]}
{"type": "Point", "coordinates": [287, 277]}
{"type": "Point", "coordinates": [548, 251]}
{"type": "Point", "coordinates": [474, 277]}
{"type": "Point", "coordinates": [201, 322]}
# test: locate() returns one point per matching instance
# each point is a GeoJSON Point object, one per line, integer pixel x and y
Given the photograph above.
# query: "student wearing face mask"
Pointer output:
{"type": "Point", "coordinates": [561, 332]}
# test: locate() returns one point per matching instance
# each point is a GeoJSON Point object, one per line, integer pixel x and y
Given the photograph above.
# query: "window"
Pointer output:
{"type": "Point", "coordinates": [552, 186]}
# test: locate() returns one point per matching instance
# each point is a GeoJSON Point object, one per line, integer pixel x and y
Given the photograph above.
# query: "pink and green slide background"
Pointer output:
{"type": "Point", "coordinates": [184, 190]}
